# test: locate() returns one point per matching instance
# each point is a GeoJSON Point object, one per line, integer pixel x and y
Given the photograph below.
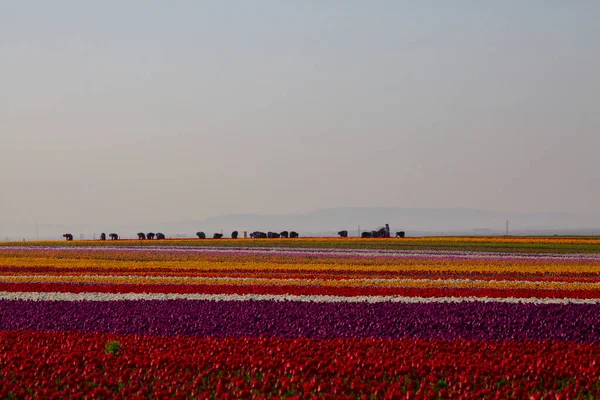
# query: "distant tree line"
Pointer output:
{"type": "Point", "coordinates": [379, 233]}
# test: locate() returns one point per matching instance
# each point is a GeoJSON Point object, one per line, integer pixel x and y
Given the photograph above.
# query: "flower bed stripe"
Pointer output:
{"type": "Point", "coordinates": [444, 319]}
{"type": "Point", "coordinates": [299, 290]}
{"type": "Point", "coordinates": [297, 265]}
{"type": "Point", "coordinates": [314, 298]}
{"type": "Point", "coordinates": [295, 274]}
{"type": "Point", "coordinates": [344, 282]}
{"type": "Point", "coordinates": [47, 363]}
{"type": "Point", "coordinates": [307, 252]}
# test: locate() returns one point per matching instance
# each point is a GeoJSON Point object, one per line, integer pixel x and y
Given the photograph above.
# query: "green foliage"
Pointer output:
{"type": "Point", "coordinates": [112, 348]}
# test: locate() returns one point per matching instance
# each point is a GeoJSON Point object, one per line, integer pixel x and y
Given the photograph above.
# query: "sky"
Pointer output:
{"type": "Point", "coordinates": [137, 111]}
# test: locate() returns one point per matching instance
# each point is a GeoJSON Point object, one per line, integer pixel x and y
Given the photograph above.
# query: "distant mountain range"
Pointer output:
{"type": "Point", "coordinates": [415, 221]}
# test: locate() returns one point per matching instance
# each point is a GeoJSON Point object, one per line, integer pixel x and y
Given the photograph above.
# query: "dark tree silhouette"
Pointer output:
{"type": "Point", "coordinates": [258, 235]}
{"type": "Point", "coordinates": [141, 235]}
{"type": "Point", "coordinates": [273, 235]}
{"type": "Point", "coordinates": [294, 235]}
{"type": "Point", "coordinates": [114, 236]}
{"type": "Point", "coordinates": [285, 234]}
{"type": "Point", "coordinates": [160, 236]}
{"type": "Point", "coordinates": [68, 236]}
{"type": "Point", "coordinates": [201, 235]}
{"type": "Point", "coordinates": [366, 234]}
{"type": "Point", "coordinates": [234, 234]}
{"type": "Point", "coordinates": [343, 233]}
{"type": "Point", "coordinates": [103, 236]}
{"type": "Point", "coordinates": [400, 234]}
{"type": "Point", "coordinates": [150, 235]}
{"type": "Point", "coordinates": [217, 236]}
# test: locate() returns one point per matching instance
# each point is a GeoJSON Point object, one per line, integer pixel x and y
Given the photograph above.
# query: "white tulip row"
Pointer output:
{"type": "Point", "coordinates": [57, 296]}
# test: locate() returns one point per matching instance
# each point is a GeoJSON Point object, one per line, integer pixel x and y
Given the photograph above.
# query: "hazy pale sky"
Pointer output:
{"type": "Point", "coordinates": [133, 111]}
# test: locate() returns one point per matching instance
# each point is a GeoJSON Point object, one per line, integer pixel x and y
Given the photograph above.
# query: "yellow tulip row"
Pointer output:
{"type": "Point", "coordinates": [409, 265]}
{"type": "Point", "coordinates": [415, 283]}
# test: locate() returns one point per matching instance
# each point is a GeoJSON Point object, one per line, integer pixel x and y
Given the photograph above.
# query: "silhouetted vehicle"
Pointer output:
{"type": "Point", "coordinates": [234, 234]}
{"type": "Point", "coordinates": [150, 235]}
{"type": "Point", "coordinates": [68, 236]}
{"type": "Point", "coordinates": [103, 236]}
{"type": "Point", "coordinates": [114, 236]}
{"type": "Point", "coordinates": [273, 235]}
{"type": "Point", "coordinates": [258, 235]}
{"type": "Point", "coordinates": [343, 233]}
{"type": "Point", "coordinates": [201, 235]}
{"type": "Point", "coordinates": [141, 236]}
{"type": "Point", "coordinates": [217, 236]}
{"type": "Point", "coordinates": [160, 236]}
{"type": "Point", "coordinates": [379, 233]}
{"type": "Point", "coordinates": [284, 234]}
{"type": "Point", "coordinates": [400, 234]}
{"type": "Point", "coordinates": [294, 235]}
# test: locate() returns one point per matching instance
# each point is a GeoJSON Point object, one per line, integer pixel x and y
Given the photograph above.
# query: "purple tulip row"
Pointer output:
{"type": "Point", "coordinates": [488, 321]}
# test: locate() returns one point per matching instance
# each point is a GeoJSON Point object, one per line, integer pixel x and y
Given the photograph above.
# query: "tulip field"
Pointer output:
{"type": "Point", "coordinates": [423, 318]}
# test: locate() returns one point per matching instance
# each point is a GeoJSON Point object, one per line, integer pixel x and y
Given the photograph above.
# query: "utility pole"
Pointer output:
{"type": "Point", "coordinates": [359, 231]}
{"type": "Point", "coordinates": [37, 229]}
{"type": "Point", "coordinates": [506, 228]}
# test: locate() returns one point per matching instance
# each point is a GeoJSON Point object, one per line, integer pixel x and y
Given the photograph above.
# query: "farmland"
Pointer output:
{"type": "Point", "coordinates": [301, 318]}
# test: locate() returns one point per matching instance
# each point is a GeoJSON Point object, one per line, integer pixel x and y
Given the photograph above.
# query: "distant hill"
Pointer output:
{"type": "Point", "coordinates": [424, 220]}
{"type": "Point", "coordinates": [415, 221]}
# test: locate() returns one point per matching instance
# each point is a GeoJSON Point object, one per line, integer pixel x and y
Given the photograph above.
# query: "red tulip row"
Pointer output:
{"type": "Point", "coordinates": [563, 276]}
{"type": "Point", "coordinates": [75, 365]}
{"type": "Point", "coordinates": [300, 290]}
